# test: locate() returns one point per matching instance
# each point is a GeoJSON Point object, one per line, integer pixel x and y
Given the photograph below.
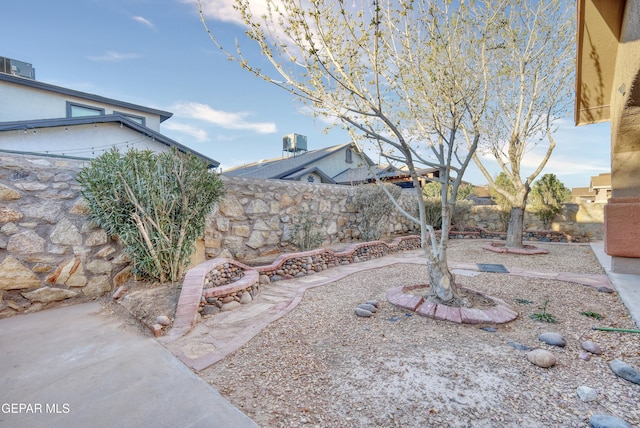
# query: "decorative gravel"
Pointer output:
{"type": "Point", "coordinates": [321, 365]}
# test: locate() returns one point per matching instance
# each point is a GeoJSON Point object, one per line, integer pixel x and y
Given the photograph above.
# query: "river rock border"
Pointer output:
{"type": "Point", "coordinates": [402, 297]}
{"type": "Point", "coordinates": [245, 279]}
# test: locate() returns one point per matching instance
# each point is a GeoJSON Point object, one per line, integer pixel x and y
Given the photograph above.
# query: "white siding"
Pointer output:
{"type": "Point", "coordinates": [84, 141]}
{"type": "Point", "coordinates": [335, 163]}
{"type": "Point", "coordinates": [24, 103]}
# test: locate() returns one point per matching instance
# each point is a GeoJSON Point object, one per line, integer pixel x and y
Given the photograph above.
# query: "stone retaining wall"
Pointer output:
{"type": "Point", "coordinates": [50, 250]}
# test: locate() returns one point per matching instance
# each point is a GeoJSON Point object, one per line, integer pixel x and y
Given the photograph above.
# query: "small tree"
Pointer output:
{"type": "Point", "coordinates": [405, 76]}
{"type": "Point", "coordinates": [155, 204]}
{"type": "Point", "coordinates": [547, 196]}
{"type": "Point", "coordinates": [372, 202]}
{"type": "Point", "coordinates": [532, 88]}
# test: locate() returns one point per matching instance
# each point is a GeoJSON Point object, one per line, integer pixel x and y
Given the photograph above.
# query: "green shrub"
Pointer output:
{"type": "Point", "coordinates": [547, 195]}
{"type": "Point", "coordinates": [306, 234]}
{"type": "Point", "coordinates": [155, 204]}
{"type": "Point", "coordinates": [374, 204]}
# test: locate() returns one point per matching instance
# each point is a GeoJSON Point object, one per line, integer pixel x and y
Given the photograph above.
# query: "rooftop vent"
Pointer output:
{"type": "Point", "coordinates": [17, 68]}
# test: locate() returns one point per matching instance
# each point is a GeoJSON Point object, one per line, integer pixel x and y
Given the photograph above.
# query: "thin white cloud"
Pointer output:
{"type": "Point", "coordinates": [223, 10]}
{"type": "Point", "coordinates": [227, 120]}
{"type": "Point", "coordinates": [143, 21]}
{"type": "Point", "coordinates": [111, 56]}
{"type": "Point", "coordinates": [197, 133]}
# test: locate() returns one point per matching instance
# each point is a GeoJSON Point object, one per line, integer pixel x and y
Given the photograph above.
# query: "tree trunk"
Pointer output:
{"type": "Point", "coordinates": [442, 285]}
{"type": "Point", "coordinates": [516, 226]}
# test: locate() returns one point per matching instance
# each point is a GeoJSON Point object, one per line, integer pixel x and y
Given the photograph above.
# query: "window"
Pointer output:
{"type": "Point", "coordinates": [349, 156]}
{"type": "Point", "coordinates": [79, 110]}
{"type": "Point", "coordinates": [141, 120]}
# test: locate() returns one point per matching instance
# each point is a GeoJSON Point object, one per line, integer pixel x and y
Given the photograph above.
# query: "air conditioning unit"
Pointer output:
{"type": "Point", "coordinates": [294, 143]}
{"type": "Point", "coordinates": [17, 68]}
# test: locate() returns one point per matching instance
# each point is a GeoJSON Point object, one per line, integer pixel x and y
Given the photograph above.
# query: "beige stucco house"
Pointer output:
{"type": "Point", "coordinates": [608, 89]}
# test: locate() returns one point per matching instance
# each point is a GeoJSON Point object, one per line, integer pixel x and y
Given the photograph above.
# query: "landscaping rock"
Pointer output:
{"type": "Point", "coordinates": [230, 306]}
{"type": "Point", "coordinates": [363, 312]}
{"type": "Point", "coordinates": [372, 302]}
{"type": "Point", "coordinates": [163, 320]}
{"type": "Point", "coordinates": [368, 307]}
{"type": "Point", "coordinates": [589, 346]}
{"type": "Point", "coordinates": [519, 346]}
{"type": "Point", "coordinates": [604, 289]}
{"type": "Point", "coordinates": [245, 298]}
{"type": "Point", "coordinates": [586, 393]}
{"type": "Point", "coordinates": [584, 355]}
{"type": "Point", "coordinates": [209, 310]}
{"type": "Point", "coordinates": [625, 371]}
{"type": "Point", "coordinates": [553, 339]}
{"type": "Point", "coordinates": [607, 421]}
{"type": "Point", "coordinates": [541, 358]}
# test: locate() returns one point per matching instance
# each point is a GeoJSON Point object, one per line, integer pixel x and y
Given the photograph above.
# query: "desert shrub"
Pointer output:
{"type": "Point", "coordinates": [307, 234]}
{"type": "Point", "coordinates": [433, 189]}
{"type": "Point", "coordinates": [374, 204]}
{"type": "Point", "coordinates": [154, 203]}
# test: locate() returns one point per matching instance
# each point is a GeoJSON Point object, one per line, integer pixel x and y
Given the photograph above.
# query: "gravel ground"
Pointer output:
{"type": "Point", "coordinates": [323, 366]}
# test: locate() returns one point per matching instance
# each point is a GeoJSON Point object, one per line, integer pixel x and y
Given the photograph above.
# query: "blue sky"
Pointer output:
{"type": "Point", "coordinates": [157, 54]}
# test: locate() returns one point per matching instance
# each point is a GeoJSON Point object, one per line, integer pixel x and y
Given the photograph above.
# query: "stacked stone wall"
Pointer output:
{"type": "Point", "coordinates": [51, 251]}
{"type": "Point", "coordinates": [257, 218]}
{"type": "Point", "coordinates": [578, 220]}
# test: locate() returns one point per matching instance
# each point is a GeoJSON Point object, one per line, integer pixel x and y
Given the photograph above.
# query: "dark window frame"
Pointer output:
{"type": "Point", "coordinates": [141, 120]}
{"type": "Point", "coordinates": [71, 105]}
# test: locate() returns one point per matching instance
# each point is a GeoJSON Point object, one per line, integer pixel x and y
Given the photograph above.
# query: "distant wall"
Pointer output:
{"type": "Point", "coordinates": [576, 219]}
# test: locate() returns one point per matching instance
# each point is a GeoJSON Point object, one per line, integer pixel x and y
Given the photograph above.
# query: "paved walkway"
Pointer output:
{"type": "Point", "coordinates": [627, 286]}
{"type": "Point", "coordinates": [216, 337]}
{"type": "Point", "coordinates": [80, 366]}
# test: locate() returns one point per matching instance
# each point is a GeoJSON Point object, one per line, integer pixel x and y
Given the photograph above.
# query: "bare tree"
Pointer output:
{"type": "Point", "coordinates": [532, 87]}
{"type": "Point", "coordinates": [404, 76]}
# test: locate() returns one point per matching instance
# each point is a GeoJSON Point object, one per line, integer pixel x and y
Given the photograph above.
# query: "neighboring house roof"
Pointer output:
{"type": "Point", "coordinates": [109, 118]}
{"type": "Point", "coordinates": [601, 181]}
{"type": "Point", "coordinates": [164, 115]}
{"type": "Point", "coordinates": [286, 168]}
{"type": "Point", "coordinates": [582, 191]}
{"type": "Point", "coordinates": [361, 174]}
